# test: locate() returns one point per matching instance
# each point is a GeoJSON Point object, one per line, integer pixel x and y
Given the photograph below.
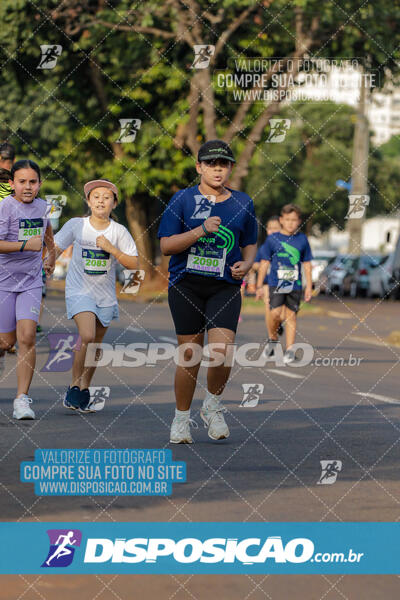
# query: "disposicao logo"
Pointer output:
{"type": "Point", "coordinates": [191, 550]}
{"type": "Point", "coordinates": [166, 554]}
{"type": "Point", "coordinates": [62, 547]}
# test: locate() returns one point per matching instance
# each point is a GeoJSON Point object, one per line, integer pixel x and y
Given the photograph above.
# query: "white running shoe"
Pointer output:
{"type": "Point", "coordinates": [22, 410]}
{"type": "Point", "coordinates": [213, 418]}
{"type": "Point", "coordinates": [289, 357]}
{"type": "Point", "coordinates": [180, 430]}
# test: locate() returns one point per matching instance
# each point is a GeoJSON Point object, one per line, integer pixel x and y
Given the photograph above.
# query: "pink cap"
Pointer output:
{"type": "Point", "coordinates": [90, 185]}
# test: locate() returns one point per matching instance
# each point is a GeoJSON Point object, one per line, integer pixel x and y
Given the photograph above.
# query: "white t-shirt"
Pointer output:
{"type": "Point", "coordinates": [92, 272]}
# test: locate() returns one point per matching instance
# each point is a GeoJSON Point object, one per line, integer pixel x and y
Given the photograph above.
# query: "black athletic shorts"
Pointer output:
{"type": "Point", "coordinates": [200, 303]}
{"type": "Point", "coordinates": [291, 300]}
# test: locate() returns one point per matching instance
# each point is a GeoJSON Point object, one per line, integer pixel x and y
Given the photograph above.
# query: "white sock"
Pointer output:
{"type": "Point", "coordinates": [182, 413]}
{"type": "Point", "coordinates": [210, 399]}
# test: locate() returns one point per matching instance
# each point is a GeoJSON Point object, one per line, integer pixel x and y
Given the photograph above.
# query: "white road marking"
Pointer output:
{"type": "Point", "coordinates": [164, 338]}
{"type": "Point", "coordinates": [378, 397]}
{"type": "Point", "coordinates": [340, 315]}
{"type": "Point", "coordinates": [373, 341]}
{"type": "Point", "coordinates": [364, 340]}
{"type": "Point", "coordinates": [132, 328]}
{"type": "Point", "coordinates": [286, 373]}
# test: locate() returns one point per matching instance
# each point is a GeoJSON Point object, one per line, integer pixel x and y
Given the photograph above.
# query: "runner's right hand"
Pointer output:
{"type": "Point", "coordinates": [34, 243]}
{"type": "Point", "coordinates": [212, 224]}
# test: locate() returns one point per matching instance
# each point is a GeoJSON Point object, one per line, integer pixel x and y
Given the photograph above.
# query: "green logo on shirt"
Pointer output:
{"type": "Point", "coordinates": [294, 254]}
{"type": "Point", "coordinates": [225, 235]}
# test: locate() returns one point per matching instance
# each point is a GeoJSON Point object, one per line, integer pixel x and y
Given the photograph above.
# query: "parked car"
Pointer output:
{"type": "Point", "coordinates": [380, 277]}
{"type": "Point", "coordinates": [394, 292]}
{"type": "Point", "coordinates": [321, 259]}
{"type": "Point", "coordinates": [356, 280]}
{"type": "Point", "coordinates": [331, 277]}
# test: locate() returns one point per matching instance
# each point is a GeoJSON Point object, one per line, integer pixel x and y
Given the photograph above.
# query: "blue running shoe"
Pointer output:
{"type": "Point", "coordinates": [84, 401]}
{"type": "Point", "coordinates": [72, 398]}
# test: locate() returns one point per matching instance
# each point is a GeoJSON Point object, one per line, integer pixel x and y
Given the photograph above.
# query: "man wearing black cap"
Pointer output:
{"type": "Point", "coordinates": [215, 149]}
{"type": "Point", "coordinates": [210, 232]}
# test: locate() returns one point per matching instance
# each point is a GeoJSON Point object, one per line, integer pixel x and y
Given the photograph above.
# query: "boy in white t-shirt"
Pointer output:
{"type": "Point", "coordinates": [90, 297]}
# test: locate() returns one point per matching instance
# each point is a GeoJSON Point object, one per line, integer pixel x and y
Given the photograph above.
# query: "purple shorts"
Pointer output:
{"type": "Point", "coordinates": [15, 306]}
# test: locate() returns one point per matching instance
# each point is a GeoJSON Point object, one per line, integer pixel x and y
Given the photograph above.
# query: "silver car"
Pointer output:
{"type": "Point", "coordinates": [331, 278]}
{"type": "Point", "coordinates": [380, 277]}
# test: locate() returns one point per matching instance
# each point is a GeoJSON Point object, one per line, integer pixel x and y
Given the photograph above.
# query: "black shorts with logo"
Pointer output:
{"type": "Point", "coordinates": [200, 303]}
{"type": "Point", "coordinates": [291, 299]}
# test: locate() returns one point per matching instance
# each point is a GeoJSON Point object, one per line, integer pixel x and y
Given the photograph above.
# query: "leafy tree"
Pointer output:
{"type": "Point", "coordinates": [134, 60]}
{"type": "Point", "coordinates": [304, 168]}
{"type": "Point", "coordinates": [391, 148]}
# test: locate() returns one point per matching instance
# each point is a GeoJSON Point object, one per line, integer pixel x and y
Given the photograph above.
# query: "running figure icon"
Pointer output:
{"type": "Point", "coordinates": [62, 549]}
{"type": "Point", "coordinates": [64, 347]}
{"type": "Point", "coordinates": [329, 471]}
{"type": "Point", "coordinates": [50, 54]}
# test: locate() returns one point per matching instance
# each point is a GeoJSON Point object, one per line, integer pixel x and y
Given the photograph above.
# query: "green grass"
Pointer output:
{"type": "Point", "coordinates": [252, 306]}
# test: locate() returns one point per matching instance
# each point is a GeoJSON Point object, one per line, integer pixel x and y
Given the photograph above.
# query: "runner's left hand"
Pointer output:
{"type": "Point", "coordinates": [307, 293]}
{"type": "Point", "coordinates": [239, 269]}
{"type": "Point", "coordinates": [259, 294]}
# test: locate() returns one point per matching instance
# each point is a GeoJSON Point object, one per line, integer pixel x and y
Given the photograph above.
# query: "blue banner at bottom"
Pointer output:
{"type": "Point", "coordinates": [199, 548]}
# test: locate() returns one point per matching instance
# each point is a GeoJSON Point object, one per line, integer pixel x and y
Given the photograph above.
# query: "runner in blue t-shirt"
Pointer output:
{"type": "Point", "coordinates": [272, 226]}
{"type": "Point", "coordinates": [285, 252]}
{"type": "Point", "coordinates": [210, 232]}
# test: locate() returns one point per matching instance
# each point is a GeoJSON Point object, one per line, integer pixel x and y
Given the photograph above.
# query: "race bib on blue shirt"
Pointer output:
{"type": "Point", "coordinates": [206, 260]}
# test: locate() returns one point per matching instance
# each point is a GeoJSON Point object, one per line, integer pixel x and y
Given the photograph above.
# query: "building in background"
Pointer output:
{"type": "Point", "coordinates": [379, 235]}
{"type": "Point", "coordinates": [342, 84]}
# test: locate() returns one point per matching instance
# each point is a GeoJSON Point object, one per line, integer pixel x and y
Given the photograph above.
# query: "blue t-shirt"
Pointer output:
{"type": "Point", "coordinates": [258, 259]}
{"type": "Point", "coordinates": [211, 255]}
{"type": "Point", "coordinates": [286, 253]}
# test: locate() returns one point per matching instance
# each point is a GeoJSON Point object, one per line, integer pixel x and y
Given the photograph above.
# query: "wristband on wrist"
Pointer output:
{"type": "Point", "coordinates": [23, 246]}
{"type": "Point", "coordinates": [204, 229]}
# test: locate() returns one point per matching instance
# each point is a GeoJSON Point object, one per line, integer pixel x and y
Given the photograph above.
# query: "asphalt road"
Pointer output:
{"type": "Point", "coordinates": [266, 471]}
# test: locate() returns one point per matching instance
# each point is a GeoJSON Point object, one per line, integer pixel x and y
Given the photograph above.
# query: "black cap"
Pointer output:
{"type": "Point", "coordinates": [215, 149]}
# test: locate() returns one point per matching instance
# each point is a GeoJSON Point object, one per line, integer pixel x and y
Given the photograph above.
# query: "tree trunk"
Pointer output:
{"type": "Point", "coordinates": [208, 104]}
{"type": "Point", "coordinates": [242, 165]}
{"type": "Point", "coordinates": [164, 263]}
{"type": "Point", "coordinates": [138, 225]}
{"type": "Point", "coordinates": [359, 169]}
{"type": "Point", "coordinates": [309, 225]}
